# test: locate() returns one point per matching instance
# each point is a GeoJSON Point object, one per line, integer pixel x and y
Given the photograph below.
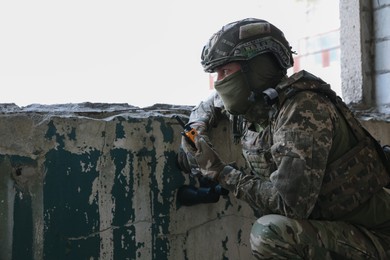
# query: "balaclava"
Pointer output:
{"type": "Point", "coordinates": [241, 91]}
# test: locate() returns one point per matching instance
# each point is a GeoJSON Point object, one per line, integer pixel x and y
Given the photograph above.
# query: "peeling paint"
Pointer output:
{"type": "Point", "coordinates": [105, 188]}
{"type": "Point", "coordinates": [65, 207]}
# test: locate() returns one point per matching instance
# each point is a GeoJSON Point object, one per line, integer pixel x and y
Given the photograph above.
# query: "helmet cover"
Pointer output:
{"type": "Point", "coordinates": [242, 40]}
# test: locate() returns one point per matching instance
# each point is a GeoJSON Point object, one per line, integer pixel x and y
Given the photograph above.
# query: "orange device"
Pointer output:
{"type": "Point", "coordinates": [189, 132]}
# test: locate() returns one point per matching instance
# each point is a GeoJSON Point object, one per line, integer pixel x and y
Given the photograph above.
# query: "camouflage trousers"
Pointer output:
{"type": "Point", "coordinates": [279, 237]}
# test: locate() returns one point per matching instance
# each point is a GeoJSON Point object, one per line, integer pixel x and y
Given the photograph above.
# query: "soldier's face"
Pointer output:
{"type": "Point", "coordinates": [226, 70]}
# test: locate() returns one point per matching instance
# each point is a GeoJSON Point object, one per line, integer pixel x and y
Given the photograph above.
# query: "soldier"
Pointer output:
{"type": "Point", "coordinates": [316, 176]}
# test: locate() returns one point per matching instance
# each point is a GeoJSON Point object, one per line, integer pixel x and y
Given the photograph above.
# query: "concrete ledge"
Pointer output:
{"type": "Point", "coordinates": [99, 181]}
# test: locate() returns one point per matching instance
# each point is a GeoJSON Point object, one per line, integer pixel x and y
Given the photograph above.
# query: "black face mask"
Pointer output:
{"type": "Point", "coordinates": [263, 72]}
{"type": "Point", "coordinates": [256, 75]}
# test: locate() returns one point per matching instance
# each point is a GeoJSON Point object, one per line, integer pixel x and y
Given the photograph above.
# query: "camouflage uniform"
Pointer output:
{"type": "Point", "coordinates": [312, 207]}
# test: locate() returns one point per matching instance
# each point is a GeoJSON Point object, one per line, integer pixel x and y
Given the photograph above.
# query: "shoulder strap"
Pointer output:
{"type": "Point", "coordinates": [295, 84]}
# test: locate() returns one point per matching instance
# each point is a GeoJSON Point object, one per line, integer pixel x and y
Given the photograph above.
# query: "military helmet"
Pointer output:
{"type": "Point", "coordinates": [242, 40]}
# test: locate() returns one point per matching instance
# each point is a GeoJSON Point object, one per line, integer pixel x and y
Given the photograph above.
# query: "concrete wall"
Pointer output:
{"type": "Point", "coordinates": [365, 48]}
{"type": "Point", "coordinates": [365, 62]}
{"type": "Point", "coordinates": [94, 181]}
{"type": "Point", "coordinates": [381, 13]}
{"type": "Point", "coordinates": [356, 51]}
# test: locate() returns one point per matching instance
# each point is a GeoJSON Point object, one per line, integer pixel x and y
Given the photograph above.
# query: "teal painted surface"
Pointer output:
{"type": "Point", "coordinates": [22, 239]}
{"type": "Point", "coordinates": [125, 244]}
{"type": "Point", "coordinates": [71, 222]}
{"type": "Point", "coordinates": [120, 132]}
{"type": "Point", "coordinates": [68, 188]}
{"type": "Point", "coordinates": [168, 131]}
{"type": "Point", "coordinates": [106, 189]}
{"type": "Point", "coordinates": [160, 227]}
{"type": "Point", "coordinates": [123, 193]}
{"type": "Point", "coordinates": [23, 228]}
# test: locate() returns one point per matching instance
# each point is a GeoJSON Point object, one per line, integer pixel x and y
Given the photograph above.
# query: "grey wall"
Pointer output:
{"type": "Point", "coordinates": [99, 182]}
{"type": "Point", "coordinates": [365, 62]}
{"type": "Point", "coordinates": [365, 49]}
{"type": "Point", "coordinates": [381, 21]}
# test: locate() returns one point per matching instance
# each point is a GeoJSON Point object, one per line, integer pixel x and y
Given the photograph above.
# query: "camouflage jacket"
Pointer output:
{"type": "Point", "coordinates": [296, 162]}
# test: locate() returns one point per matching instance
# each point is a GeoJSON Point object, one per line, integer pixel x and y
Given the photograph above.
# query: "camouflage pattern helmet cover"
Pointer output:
{"type": "Point", "coordinates": [242, 40]}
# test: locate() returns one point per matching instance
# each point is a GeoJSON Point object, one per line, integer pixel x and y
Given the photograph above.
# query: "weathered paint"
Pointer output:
{"type": "Point", "coordinates": [76, 187]}
{"type": "Point", "coordinates": [22, 244]}
{"type": "Point", "coordinates": [124, 215]}
{"type": "Point", "coordinates": [68, 216]}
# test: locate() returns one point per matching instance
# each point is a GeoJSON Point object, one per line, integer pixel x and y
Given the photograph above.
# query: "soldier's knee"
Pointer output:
{"type": "Point", "coordinates": [268, 225]}
{"type": "Point", "coordinates": [267, 232]}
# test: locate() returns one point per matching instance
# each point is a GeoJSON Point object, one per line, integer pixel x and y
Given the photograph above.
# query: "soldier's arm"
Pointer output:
{"type": "Point", "coordinates": [302, 139]}
{"type": "Point", "coordinates": [208, 113]}
{"type": "Point", "coordinates": [204, 116]}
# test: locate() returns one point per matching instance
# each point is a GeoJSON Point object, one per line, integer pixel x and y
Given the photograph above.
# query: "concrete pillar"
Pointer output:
{"type": "Point", "coordinates": [381, 11]}
{"type": "Point", "coordinates": [356, 51]}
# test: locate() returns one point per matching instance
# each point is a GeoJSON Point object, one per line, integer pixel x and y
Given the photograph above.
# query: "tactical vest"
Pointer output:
{"type": "Point", "coordinates": [353, 178]}
{"type": "Point", "coordinates": [256, 149]}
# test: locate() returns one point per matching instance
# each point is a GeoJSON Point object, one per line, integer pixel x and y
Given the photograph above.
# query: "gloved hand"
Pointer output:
{"type": "Point", "coordinates": [209, 162]}
{"type": "Point", "coordinates": [187, 162]}
{"type": "Point", "coordinates": [200, 128]}
{"type": "Point", "coordinates": [186, 159]}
